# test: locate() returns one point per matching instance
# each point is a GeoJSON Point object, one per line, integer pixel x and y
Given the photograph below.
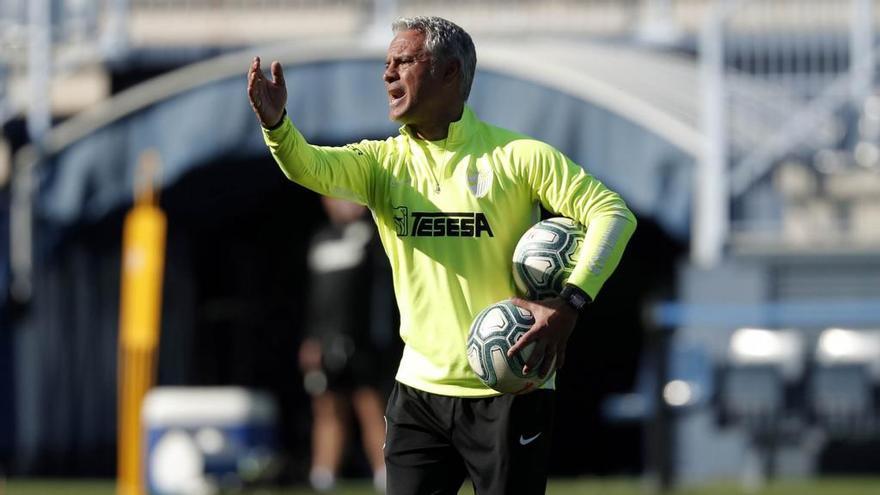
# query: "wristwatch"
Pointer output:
{"type": "Point", "coordinates": [575, 297]}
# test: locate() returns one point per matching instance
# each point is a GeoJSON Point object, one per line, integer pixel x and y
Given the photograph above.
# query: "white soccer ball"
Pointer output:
{"type": "Point", "coordinates": [494, 331]}
{"type": "Point", "coordinates": [545, 256]}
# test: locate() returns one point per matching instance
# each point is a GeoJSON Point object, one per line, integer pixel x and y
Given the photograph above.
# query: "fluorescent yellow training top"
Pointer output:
{"type": "Point", "coordinates": [449, 215]}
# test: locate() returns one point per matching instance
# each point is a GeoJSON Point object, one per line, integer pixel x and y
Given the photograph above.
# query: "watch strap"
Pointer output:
{"type": "Point", "coordinates": [575, 297]}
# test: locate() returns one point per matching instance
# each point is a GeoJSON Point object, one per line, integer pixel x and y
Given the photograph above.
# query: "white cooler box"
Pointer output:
{"type": "Point", "coordinates": [201, 439]}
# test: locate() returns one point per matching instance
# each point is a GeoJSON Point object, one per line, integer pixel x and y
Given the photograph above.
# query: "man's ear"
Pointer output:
{"type": "Point", "coordinates": [452, 71]}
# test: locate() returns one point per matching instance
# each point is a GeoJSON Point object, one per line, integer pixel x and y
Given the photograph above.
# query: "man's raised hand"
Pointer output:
{"type": "Point", "coordinates": [267, 98]}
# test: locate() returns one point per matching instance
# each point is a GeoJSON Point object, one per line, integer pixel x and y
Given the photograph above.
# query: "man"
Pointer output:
{"type": "Point", "coordinates": [451, 196]}
{"type": "Point", "coordinates": [341, 357]}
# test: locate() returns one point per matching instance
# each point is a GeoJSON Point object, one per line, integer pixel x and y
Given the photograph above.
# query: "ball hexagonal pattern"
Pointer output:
{"type": "Point", "coordinates": [493, 332]}
{"type": "Point", "coordinates": [545, 256]}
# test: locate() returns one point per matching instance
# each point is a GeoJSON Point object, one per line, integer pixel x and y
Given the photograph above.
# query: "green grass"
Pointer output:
{"type": "Point", "coordinates": [578, 486]}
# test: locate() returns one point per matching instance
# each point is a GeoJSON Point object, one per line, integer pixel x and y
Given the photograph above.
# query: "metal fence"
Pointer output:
{"type": "Point", "coordinates": [784, 80]}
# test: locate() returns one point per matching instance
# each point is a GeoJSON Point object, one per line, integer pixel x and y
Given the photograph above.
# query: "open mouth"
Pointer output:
{"type": "Point", "coordinates": [395, 96]}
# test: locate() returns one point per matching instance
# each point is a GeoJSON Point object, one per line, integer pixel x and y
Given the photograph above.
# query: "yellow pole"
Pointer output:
{"type": "Point", "coordinates": [140, 311]}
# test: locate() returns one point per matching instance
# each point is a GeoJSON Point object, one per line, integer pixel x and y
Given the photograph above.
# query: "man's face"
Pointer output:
{"type": "Point", "coordinates": [414, 94]}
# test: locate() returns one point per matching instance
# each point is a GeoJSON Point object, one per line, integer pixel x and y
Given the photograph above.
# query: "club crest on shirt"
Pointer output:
{"type": "Point", "coordinates": [401, 220]}
{"type": "Point", "coordinates": [479, 179]}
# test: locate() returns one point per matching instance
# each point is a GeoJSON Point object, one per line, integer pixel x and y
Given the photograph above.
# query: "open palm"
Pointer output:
{"type": "Point", "coordinates": [267, 98]}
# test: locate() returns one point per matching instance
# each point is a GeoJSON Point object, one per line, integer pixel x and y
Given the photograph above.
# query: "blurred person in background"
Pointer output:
{"type": "Point", "coordinates": [340, 356]}
{"type": "Point", "coordinates": [451, 196]}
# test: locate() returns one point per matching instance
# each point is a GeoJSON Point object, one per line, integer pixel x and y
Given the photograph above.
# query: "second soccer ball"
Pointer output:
{"type": "Point", "coordinates": [545, 256]}
{"type": "Point", "coordinates": [494, 331]}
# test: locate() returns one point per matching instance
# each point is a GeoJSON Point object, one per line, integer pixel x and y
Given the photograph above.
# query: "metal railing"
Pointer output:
{"type": "Point", "coordinates": [42, 39]}
{"type": "Point", "coordinates": [794, 67]}
{"type": "Point", "coordinates": [74, 25]}
{"type": "Point", "coordinates": [813, 63]}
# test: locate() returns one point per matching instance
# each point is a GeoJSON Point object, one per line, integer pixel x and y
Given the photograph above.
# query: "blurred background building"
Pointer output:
{"type": "Point", "coordinates": [738, 338]}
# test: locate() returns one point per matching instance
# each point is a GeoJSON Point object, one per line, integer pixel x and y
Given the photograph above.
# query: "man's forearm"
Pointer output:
{"type": "Point", "coordinates": [604, 244]}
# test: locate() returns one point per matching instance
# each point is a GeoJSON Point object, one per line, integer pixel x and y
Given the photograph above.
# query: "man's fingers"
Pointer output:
{"type": "Point", "coordinates": [252, 86]}
{"type": "Point", "coordinates": [522, 342]}
{"type": "Point", "coordinates": [254, 94]}
{"type": "Point", "coordinates": [255, 84]}
{"type": "Point", "coordinates": [277, 73]}
{"type": "Point", "coordinates": [522, 303]}
{"type": "Point", "coordinates": [255, 74]}
{"type": "Point", "coordinates": [536, 357]}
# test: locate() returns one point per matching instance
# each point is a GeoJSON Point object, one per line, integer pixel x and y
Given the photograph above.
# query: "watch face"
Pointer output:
{"type": "Point", "coordinates": [578, 300]}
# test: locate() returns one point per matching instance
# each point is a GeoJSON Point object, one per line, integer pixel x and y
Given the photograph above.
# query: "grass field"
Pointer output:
{"type": "Point", "coordinates": [580, 486]}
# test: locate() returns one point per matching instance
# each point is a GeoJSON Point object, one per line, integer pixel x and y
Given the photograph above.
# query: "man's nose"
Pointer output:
{"type": "Point", "coordinates": [390, 73]}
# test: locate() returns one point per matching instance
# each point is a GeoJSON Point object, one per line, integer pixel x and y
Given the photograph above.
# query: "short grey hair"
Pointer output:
{"type": "Point", "coordinates": [444, 40]}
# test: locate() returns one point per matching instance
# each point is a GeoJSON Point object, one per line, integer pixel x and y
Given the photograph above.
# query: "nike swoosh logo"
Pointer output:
{"type": "Point", "coordinates": [525, 441]}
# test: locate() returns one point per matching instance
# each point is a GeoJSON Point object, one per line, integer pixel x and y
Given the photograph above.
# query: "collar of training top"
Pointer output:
{"type": "Point", "coordinates": [458, 130]}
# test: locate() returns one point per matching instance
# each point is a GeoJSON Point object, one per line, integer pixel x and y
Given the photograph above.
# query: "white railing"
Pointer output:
{"type": "Point", "coordinates": [42, 39]}
{"type": "Point", "coordinates": [76, 25]}
{"type": "Point", "coordinates": [813, 64]}
{"type": "Point", "coordinates": [777, 78]}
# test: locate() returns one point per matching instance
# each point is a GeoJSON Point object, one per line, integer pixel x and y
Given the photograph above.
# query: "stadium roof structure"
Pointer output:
{"type": "Point", "coordinates": [627, 114]}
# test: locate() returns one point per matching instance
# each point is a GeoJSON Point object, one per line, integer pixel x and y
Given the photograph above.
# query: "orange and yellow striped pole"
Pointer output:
{"type": "Point", "coordinates": [140, 311]}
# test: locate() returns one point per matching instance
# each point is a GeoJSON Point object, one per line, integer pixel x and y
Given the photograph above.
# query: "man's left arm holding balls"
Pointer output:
{"type": "Point", "coordinates": [565, 188]}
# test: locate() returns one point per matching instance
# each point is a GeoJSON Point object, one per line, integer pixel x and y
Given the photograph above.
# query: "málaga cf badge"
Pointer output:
{"type": "Point", "coordinates": [479, 179]}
